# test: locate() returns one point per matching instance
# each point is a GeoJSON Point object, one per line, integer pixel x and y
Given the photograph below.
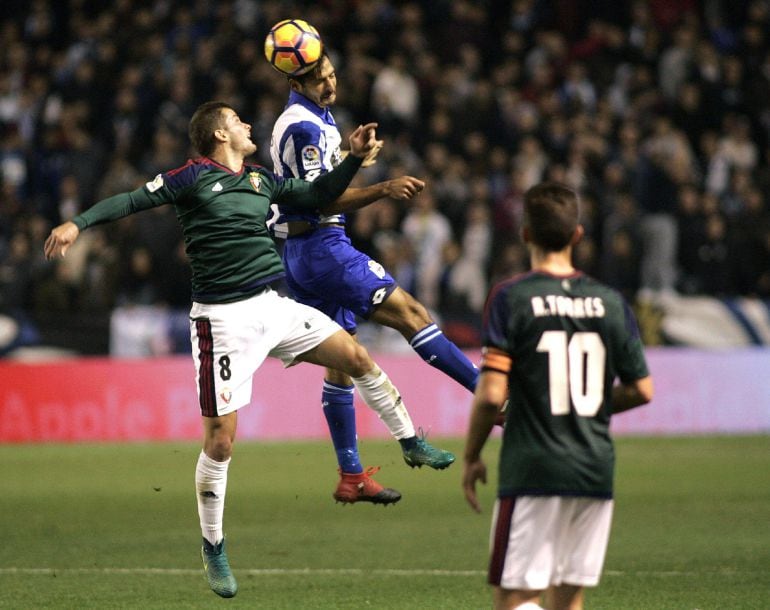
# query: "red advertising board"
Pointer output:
{"type": "Point", "coordinates": [155, 399]}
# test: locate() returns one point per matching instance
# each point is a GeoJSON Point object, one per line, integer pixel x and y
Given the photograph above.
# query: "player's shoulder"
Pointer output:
{"type": "Point", "coordinates": [184, 175]}
{"type": "Point", "coordinates": [537, 282]}
{"type": "Point", "coordinates": [255, 167]}
{"type": "Point", "coordinates": [514, 283]}
{"type": "Point", "coordinates": [505, 292]}
{"type": "Point", "coordinates": [294, 117]}
{"type": "Point", "coordinates": [591, 284]}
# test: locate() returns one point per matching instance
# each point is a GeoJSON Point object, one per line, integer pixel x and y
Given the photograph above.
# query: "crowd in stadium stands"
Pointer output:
{"type": "Point", "coordinates": [656, 111]}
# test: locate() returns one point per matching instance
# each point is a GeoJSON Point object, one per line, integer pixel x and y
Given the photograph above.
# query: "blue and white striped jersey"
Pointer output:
{"type": "Point", "coordinates": [305, 144]}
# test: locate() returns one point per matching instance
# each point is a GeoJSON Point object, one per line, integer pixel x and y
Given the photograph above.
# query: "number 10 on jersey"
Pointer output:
{"type": "Point", "coordinates": [575, 371]}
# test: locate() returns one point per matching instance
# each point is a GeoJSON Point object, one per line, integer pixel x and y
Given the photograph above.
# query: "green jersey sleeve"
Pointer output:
{"type": "Point", "coordinates": [125, 204]}
{"type": "Point", "coordinates": [321, 192]}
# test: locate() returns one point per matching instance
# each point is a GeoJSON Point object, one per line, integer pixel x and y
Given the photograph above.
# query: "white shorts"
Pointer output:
{"type": "Point", "coordinates": [540, 541]}
{"type": "Point", "coordinates": [231, 340]}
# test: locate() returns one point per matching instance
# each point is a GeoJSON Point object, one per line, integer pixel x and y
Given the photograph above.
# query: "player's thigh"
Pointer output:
{"type": "Point", "coordinates": [340, 352]}
{"type": "Point", "coordinates": [584, 543]}
{"type": "Point", "coordinates": [227, 348]}
{"type": "Point", "coordinates": [522, 540]}
{"type": "Point", "coordinates": [543, 541]}
{"type": "Point", "coordinates": [230, 341]}
{"type": "Point", "coordinates": [329, 273]}
{"type": "Point", "coordinates": [299, 330]}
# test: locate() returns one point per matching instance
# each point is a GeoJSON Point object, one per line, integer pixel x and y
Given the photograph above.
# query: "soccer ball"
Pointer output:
{"type": "Point", "coordinates": [293, 46]}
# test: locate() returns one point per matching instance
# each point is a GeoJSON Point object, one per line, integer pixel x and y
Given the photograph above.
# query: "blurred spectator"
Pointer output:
{"type": "Point", "coordinates": [620, 264]}
{"type": "Point", "coordinates": [16, 274]}
{"type": "Point", "coordinates": [465, 283]}
{"type": "Point", "coordinates": [667, 163]}
{"type": "Point", "coordinates": [138, 284]}
{"type": "Point", "coordinates": [509, 261]}
{"type": "Point", "coordinates": [749, 237]}
{"type": "Point", "coordinates": [100, 274]}
{"type": "Point", "coordinates": [394, 252]}
{"type": "Point", "coordinates": [428, 232]}
{"type": "Point", "coordinates": [691, 220]}
{"type": "Point", "coordinates": [713, 271]}
{"type": "Point", "coordinates": [530, 161]}
{"type": "Point", "coordinates": [687, 116]}
{"type": "Point", "coordinates": [620, 256]}
{"type": "Point", "coordinates": [396, 96]}
{"type": "Point", "coordinates": [676, 61]}
{"type": "Point", "coordinates": [713, 165]}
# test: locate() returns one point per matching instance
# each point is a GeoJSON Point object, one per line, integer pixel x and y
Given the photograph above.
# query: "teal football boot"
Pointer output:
{"type": "Point", "coordinates": [217, 568]}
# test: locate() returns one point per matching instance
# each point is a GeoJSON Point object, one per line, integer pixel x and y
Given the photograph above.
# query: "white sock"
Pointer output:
{"type": "Point", "coordinates": [210, 486]}
{"type": "Point", "coordinates": [381, 395]}
{"type": "Point", "coordinates": [529, 606]}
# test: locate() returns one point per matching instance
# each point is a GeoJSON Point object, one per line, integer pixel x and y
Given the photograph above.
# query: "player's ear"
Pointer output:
{"type": "Point", "coordinates": [577, 235]}
{"type": "Point", "coordinates": [295, 86]}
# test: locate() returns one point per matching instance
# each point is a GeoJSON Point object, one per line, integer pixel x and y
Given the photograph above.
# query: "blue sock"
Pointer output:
{"type": "Point", "coordinates": [441, 353]}
{"type": "Point", "coordinates": [337, 401]}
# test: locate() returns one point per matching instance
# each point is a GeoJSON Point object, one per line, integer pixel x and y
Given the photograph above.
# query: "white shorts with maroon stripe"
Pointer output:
{"type": "Point", "coordinates": [540, 541]}
{"type": "Point", "coordinates": [230, 341]}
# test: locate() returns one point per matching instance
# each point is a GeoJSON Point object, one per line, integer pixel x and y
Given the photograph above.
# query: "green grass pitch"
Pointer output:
{"type": "Point", "coordinates": [115, 526]}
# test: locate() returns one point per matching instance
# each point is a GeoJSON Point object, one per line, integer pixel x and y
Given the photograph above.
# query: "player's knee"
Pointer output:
{"type": "Point", "coordinates": [405, 313]}
{"type": "Point", "coordinates": [218, 445]}
{"type": "Point", "coordinates": [358, 362]}
{"type": "Point", "coordinates": [415, 320]}
{"type": "Point", "coordinates": [418, 314]}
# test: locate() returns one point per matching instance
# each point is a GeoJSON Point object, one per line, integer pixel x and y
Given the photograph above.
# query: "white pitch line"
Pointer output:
{"type": "Point", "coordinates": [248, 571]}
{"type": "Point", "coordinates": [316, 571]}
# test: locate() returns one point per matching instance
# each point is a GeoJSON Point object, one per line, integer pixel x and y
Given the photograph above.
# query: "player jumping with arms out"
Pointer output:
{"type": "Point", "coordinates": [324, 270]}
{"type": "Point", "coordinates": [236, 319]}
{"type": "Point", "coordinates": [555, 341]}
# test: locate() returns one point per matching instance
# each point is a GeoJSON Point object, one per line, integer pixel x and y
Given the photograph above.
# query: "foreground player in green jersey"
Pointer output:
{"type": "Point", "coordinates": [555, 341]}
{"type": "Point", "coordinates": [237, 320]}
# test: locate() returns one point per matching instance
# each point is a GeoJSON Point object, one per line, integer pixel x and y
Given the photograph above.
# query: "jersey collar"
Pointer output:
{"type": "Point", "coordinates": [322, 113]}
{"type": "Point", "coordinates": [208, 161]}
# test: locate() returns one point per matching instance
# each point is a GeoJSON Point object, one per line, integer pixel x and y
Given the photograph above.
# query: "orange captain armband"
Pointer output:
{"type": "Point", "coordinates": [493, 359]}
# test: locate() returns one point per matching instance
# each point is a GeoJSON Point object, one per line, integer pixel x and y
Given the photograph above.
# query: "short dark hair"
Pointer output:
{"type": "Point", "coordinates": [313, 72]}
{"type": "Point", "coordinates": [551, 213]}
{"type": "Point", "coordinates": [206, 119]}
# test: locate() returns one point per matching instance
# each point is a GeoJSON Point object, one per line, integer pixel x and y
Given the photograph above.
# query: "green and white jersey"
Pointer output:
{"type": "Point", "coordinates": [563, 342]}
{"type": "Point", "coordinates": [222, 214]}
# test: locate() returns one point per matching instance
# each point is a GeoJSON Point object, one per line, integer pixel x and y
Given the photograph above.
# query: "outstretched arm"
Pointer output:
{"type": "Point", "coordinates": [353, 198]}
{"type": "Point", "coordinates": [404, 187]}
{"type": "Point", "coordinates": [106, 210]}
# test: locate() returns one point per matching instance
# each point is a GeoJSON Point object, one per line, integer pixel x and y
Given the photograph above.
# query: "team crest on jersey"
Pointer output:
{"type": "Point", "coordinates": [376, 268]}
{"type": "Point", "coordinates": [311, 157]}
{"type": "Point", "coordinates": [155, 184]}
{"type": "Point", "coordinates": [256, 180]}
{"type": "Point", "coordinates": [226, 395]}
